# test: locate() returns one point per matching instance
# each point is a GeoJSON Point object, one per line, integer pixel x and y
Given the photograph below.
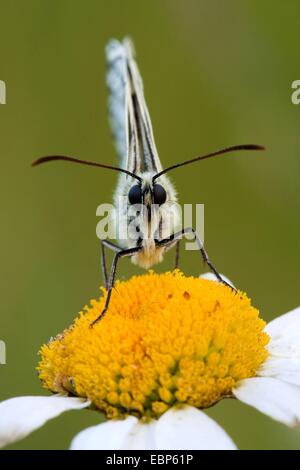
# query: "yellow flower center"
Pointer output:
{"type": "Point", "coordinates": [166, 339]}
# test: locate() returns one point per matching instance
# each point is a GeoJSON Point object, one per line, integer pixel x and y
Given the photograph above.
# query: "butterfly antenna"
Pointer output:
{"type": "Point", "coordinates": [209, 155]}
{"type": "Point", "coordinates": [51, 158]}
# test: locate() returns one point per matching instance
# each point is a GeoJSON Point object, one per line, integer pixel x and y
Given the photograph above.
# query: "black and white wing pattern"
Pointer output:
{"type": "Point", "coordinates": [129, 116]}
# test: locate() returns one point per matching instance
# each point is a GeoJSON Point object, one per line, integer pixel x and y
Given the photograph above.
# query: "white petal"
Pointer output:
{"type": "Point", "coordinates": [126, 434]}
{"type": "Point", "coordinates": [281, 368]}
{"type": "Point", "coordinates": [186, 428]}
{"type": "Point", "coordinates": [285, 324]}
{"type": "Point", "coordinates": [277, 399]}
{"type": "Point", "coordinates": [191, 429]}
{"type": "Point", "coordinates": [283, 362]}
{"type": "Point", "coordinates": [212, 277]}
{"type": "Point", "coordinates": [20, 416]}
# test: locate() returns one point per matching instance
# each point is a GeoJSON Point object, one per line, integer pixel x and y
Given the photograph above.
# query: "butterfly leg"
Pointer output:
{"type": "Point", "coordinates": [111, 246]}
{"type": "Point", "coordinates": [103, 264]}
{"type": "Point", "coordinates": [177, 252]}
{"type": "Point", "coordinates": [178, 235]}
{"type": "Point", "coordinates": [119, 253]}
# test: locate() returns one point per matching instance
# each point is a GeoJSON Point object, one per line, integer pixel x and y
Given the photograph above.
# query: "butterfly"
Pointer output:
{"type": "Point", "coordinates": [145, 199]}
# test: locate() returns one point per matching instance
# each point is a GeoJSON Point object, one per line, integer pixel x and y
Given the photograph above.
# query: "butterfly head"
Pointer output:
{"type": "Point", "coordinates": [152, 209]}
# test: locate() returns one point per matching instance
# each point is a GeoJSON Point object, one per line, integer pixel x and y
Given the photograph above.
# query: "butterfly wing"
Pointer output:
{"type": "Point", "coordinates": [129, 115]}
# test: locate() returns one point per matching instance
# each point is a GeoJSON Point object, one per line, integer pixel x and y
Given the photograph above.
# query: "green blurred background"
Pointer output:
{"type": "Point", "coordinates": [216, 73]}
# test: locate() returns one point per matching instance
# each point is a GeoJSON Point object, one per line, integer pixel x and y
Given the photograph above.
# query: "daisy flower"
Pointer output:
{"type": "Point", "coordinates": [169, 347]}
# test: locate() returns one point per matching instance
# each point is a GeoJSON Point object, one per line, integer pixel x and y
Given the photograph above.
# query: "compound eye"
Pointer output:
{"type": "Point", "coordinates": [135, 194]}
{"type": "Point", "coordinates": [159, 194]}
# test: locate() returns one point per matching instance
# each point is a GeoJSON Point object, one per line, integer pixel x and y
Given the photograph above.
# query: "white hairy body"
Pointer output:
{"type": "Point", "coordinates": [165, 220]}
